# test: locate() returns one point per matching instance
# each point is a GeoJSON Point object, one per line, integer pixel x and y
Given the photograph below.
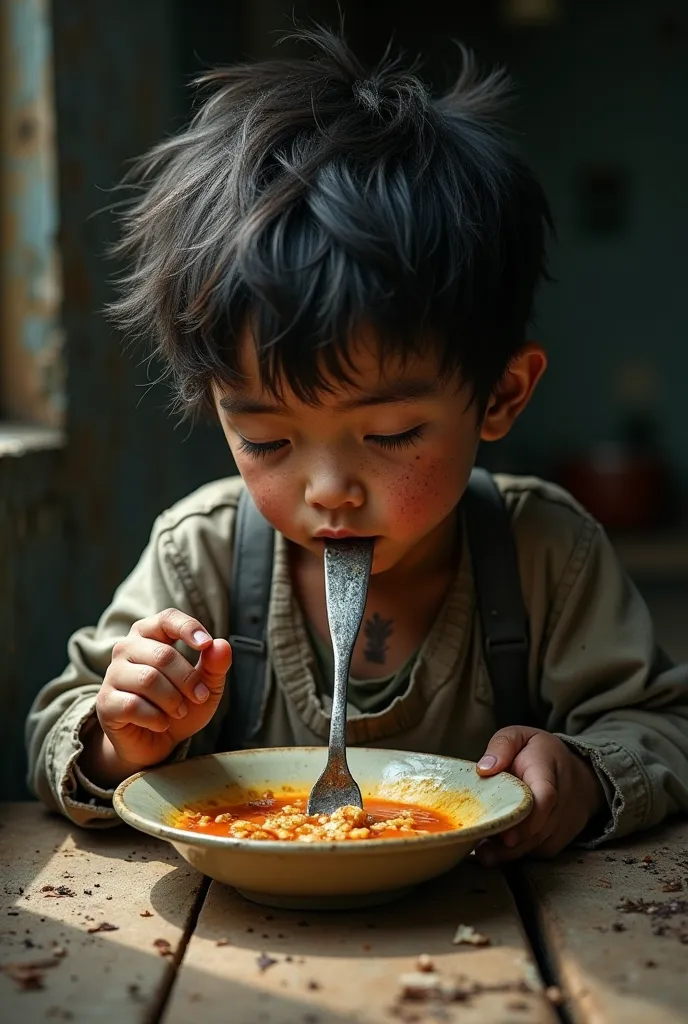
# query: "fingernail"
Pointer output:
{"type": "Point", "coordinates": [201, 692]}
{"type": "Point", "coordinates": [487, 762]}
{"type": "Point", "coordinates": [182, 710]}
{"type": "Point", "coordinates": [201, 637]}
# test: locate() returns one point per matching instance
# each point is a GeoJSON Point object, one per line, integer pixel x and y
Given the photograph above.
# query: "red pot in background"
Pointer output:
{"type": "Point", "coordinates": [624, 489]}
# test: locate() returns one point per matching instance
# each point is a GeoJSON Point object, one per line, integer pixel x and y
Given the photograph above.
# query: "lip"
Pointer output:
{"type": "Point", "coordinates": [340, 534]}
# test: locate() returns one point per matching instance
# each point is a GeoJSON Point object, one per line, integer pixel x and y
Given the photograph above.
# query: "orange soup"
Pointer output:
{"type": "Point", "coordinates": [285, 818]}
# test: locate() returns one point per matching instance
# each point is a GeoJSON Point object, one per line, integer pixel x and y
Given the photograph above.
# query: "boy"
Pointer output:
{"type": "Point", "coordinates": [343, 270]}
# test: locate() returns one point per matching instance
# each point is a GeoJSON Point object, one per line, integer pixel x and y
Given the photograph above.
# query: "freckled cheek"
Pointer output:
{"type": "Point", "coordinates": [274, 498]}
{"type": "Point", "coordinates": [420, 496]}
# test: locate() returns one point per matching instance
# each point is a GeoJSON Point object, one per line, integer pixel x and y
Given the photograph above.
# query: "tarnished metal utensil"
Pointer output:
{"type": "Point", "coordinates": [347, 574]}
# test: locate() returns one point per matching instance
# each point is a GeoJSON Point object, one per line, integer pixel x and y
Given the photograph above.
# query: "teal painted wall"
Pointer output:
{"type": "Point", "coordinates": [609, 85]}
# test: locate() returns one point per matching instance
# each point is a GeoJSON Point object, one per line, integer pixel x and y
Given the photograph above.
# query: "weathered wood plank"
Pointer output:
{"type": "Point", "coordinates": [120, 877]}
{"type": "Point", "coordinates": [618, 967]}
{"type": "Point", "coordinates": [335, 967]}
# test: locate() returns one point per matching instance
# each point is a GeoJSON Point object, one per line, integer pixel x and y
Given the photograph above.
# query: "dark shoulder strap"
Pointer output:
{"type": "Point", "coordinates": [499, 596]}
{"type": "Point", "coordinates": [254, 541]}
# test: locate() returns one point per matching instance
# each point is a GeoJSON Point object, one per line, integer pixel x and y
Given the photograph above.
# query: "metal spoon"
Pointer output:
{"type": "Point", "coordinates": [347, 573]}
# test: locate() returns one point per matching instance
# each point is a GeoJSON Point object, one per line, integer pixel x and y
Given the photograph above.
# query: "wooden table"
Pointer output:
{"type": "Point", "coordinates": [113, 926]}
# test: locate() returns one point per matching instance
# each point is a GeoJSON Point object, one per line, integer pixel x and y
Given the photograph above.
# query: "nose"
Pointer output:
{"type": "Point", "coordinates": [331, 487]}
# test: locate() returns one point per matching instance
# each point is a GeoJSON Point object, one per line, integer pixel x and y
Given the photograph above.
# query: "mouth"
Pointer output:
{"type": "Point", "coordinates": [341, 534]}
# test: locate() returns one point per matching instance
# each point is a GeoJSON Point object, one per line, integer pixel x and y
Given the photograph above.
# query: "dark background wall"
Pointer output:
{"type": "Point", "coordinates": [603, 86]}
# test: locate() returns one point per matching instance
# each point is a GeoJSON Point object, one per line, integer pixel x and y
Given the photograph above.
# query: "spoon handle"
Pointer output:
{"type": "Point", "coordinates": [347, 573]}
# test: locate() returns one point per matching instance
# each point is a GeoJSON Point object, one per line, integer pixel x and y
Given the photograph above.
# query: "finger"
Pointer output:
{"type": "Point", "coordinates": [148, 682]}
{"type": "Point", "coordinates": [167, 660]}
{"type": "Point", "coordinates": [567, 829]}
{"type": "Point", "coordinates": [212, 668]}
{"type": "Point", "coordinates": [493, 853]}
{"type": "Point", "coordinates": [540, 777]}
{"type": "Point", "coordinates": [503, 748]}
{"type": "Point", "coordinates": [121, 708]}
{"type": "Point", "coordinates": [172, 625]}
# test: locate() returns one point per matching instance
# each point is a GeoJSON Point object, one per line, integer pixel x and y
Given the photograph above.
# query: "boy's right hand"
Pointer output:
{"type": "Point", "coordinates": [152, 698]}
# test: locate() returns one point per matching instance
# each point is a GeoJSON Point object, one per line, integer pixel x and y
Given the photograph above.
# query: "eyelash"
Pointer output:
{"type": "Point", "coordinates": [390, 442]}
{"type": "Point", "coordinates": [396, 442]}
{"type": "Point", "coordinates": [260, 451]}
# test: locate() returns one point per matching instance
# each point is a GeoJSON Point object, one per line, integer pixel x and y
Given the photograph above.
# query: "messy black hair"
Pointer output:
{"type": "Point", "coordinates": [309, 199]}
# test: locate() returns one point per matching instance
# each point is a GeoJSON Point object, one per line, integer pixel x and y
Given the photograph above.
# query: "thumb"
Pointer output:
{"type": "Point", "coordinates": [503, 748]}
{"type": "Point", "coordinates": [213, 665]}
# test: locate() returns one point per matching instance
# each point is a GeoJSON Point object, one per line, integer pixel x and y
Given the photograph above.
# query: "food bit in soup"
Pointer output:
{"type": "Point", "coordinates": [286, 819]}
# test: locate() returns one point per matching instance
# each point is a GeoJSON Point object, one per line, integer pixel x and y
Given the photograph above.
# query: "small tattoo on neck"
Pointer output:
{"type": "Point", "coordinates": [377, 632]}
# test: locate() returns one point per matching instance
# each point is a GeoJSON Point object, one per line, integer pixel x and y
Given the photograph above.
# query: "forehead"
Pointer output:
{"type": "Point", "coordinates": [368, 367]}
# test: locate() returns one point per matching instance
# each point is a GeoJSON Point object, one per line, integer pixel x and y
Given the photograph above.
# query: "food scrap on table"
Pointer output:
{"type": "Point", "coordinates": [419, 986]}
{"type": "Point", "coordinates": [57, 891]}
{"type": "Point", "coordinates": [662, 916]}
{"type": "Point", "coordinates": [466, 935]}
{"type": "Point", "coordinates": [672, 885]}
{"type": "Point", "coordinates": [264, 961]}
{"type": "Point", "coordinates": [29, 976]}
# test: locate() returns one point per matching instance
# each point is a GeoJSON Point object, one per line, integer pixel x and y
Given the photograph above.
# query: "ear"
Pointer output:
{"type": "Point", "coordinates": [513, 392]}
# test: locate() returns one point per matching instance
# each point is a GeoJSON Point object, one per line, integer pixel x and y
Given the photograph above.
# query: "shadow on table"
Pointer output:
{"type": "Point", "coordinates": [53, 968]}
{"type": "Point", "coordinates": [213, 999]}
{"type": "Point", "coordinates": [383, 931]}
{"type": "Point", "coordinates": [60, 884]}
{"type": "Point", "coordinates": [96, 977]}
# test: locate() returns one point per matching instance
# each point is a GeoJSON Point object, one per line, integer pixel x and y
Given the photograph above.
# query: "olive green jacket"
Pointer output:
{"type": "Point", "coordinates": [596, 677]}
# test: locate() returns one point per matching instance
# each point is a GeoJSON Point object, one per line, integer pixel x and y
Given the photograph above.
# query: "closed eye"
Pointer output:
{"type": "Point", "coordinates": [258, 450]}
{"type": "Point", "coordinates": [395, 442]}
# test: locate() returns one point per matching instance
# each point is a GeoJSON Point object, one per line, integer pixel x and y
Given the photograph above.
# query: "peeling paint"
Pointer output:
{"type": "Point", "coordinates": [32, 388]}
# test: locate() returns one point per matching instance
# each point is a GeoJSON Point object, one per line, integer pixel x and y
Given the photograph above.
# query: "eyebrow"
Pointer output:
{"type": "Point", "coordinates": [387, 394]}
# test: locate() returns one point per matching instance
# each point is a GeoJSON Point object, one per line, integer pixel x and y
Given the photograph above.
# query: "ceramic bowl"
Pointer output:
{"type": "Point", "coordinates": [323, 875]}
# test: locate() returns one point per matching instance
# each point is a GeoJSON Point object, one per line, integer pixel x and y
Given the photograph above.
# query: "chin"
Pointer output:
{"type": "Point", "coordinates": [385, 559]}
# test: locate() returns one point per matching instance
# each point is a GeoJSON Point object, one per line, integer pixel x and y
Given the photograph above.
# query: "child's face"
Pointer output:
{"type": "Point", "coordinates": [388, 457]}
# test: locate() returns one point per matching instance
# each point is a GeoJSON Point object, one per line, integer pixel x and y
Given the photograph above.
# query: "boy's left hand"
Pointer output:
{"type": "Point", "coordinates": [567, 794]}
